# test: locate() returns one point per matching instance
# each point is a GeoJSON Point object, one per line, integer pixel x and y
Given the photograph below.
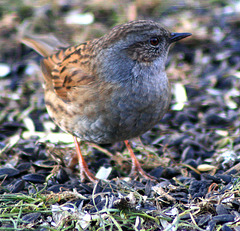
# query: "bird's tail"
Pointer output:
{"type": "Point", "coordinates": [45, 45]}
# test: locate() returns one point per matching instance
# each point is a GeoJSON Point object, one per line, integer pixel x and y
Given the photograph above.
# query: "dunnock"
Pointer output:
{"type": "Point", "coordinates": [109, 89]}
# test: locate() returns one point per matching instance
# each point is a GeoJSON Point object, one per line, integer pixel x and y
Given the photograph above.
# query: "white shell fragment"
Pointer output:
{"type": "Point", "coordinates": [103, 173]}
{"type": "Point", "coordinates": [4, 69]}
{"type": "Point", "coordinates": [80, 19]}
{"type": "Point", "coordinates": [205, 167]}
{"type": "Point", "coordinates": [180, 96]}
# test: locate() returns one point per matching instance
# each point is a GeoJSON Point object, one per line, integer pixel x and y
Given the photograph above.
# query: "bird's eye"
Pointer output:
{"type": "Point", "coordinates": [154, 41]}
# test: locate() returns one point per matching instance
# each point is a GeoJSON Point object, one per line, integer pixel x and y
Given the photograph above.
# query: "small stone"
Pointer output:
{"type": "Point", "coordinates": [34, 178]}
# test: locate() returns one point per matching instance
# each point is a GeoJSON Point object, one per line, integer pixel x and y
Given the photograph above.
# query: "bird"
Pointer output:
{"type": "Point", "coordinates": [108, 89]}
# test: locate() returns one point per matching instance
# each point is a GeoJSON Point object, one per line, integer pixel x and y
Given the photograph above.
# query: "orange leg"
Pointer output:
{"type": "Point", "coordinates": [136, 166]}
{"type": "Point", "coordinates": [84, 171]}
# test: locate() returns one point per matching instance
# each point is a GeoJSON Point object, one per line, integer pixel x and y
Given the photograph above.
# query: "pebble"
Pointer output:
{"type": "Point", "coordinates": [34, 178]}
{"type": "Point", "coordinates": [9, 172]}
{"type": "Point", "coordinates": [31, 217]}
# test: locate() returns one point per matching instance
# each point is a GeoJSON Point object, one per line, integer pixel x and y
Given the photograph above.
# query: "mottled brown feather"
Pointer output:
{"type": "Point", "coordinates": [65, 70]}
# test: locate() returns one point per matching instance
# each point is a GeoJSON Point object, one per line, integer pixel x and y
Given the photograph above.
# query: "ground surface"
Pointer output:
{"type": "Point", "coordinates": [193, 152]}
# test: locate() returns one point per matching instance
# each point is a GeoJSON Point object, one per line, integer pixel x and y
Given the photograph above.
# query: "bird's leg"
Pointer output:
{"type": "Point", "coordinates": [136, 166]}
{"type": "Point", "coordinates": [84, 171]}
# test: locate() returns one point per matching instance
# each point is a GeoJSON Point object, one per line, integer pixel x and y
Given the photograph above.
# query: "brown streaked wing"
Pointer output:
{"type": "Point", "coordinates": [67, 69]}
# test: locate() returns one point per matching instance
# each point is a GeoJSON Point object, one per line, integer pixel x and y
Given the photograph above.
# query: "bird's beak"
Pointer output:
{"type": "Point", "coordinates": [178, 36]}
